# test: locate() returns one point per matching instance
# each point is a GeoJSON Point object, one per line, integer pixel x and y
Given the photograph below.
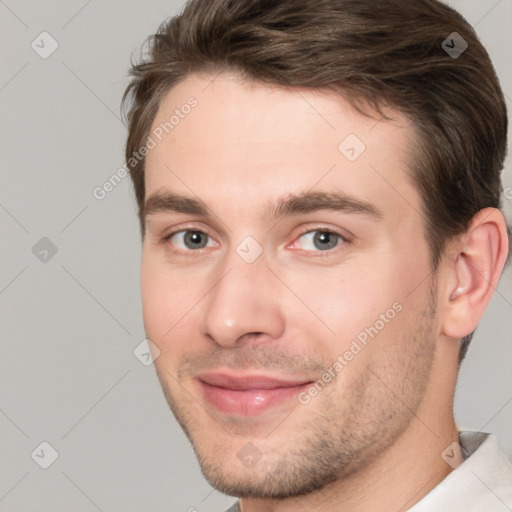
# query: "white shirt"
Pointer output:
{"type": "Point", "coordinates": [482, 483]}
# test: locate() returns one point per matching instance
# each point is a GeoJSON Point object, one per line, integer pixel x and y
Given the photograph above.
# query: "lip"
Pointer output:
{"type": "Point", "coordinates": [248, 394]}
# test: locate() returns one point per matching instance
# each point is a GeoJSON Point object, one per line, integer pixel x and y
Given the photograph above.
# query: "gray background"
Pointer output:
{"type": "Point", "coordinates": [70, 324]}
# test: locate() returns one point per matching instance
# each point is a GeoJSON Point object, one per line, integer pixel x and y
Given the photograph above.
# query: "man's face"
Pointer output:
{"type": "Point", "coordinates": [286, 282]}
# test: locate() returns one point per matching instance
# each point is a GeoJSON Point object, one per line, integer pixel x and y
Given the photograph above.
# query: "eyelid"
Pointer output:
{"type": "Point", "coordinates": [345, 239]}
{"type": "Point", "coordinates": [166, 237]}
{"type": "Point", "coordinates": [343, 233]}
{"type": "Point", "coordinates": [185, 227]}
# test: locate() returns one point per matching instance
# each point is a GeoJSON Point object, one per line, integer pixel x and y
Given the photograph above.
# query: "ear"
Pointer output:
{"type": "Point", "coordinates": [474, 273]}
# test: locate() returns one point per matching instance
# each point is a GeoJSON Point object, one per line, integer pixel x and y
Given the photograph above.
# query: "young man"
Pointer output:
{"type": "Point", "coordinates": [319, 194]}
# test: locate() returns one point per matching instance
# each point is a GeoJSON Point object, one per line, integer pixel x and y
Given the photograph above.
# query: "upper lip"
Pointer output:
{"type": "Point", "coordinates": [248, 381]}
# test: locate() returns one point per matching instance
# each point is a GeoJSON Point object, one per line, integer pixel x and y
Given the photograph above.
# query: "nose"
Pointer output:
{"type": "Point", "coordinates": [244, 304]}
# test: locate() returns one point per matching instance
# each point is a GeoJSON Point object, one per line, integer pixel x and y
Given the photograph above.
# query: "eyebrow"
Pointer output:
{"type": "Point", "coordinates": [166, 202]}
{"type": "Point", "coordinates": [308, 202]}
{"type": "Point", "coordinates": [292, 204]}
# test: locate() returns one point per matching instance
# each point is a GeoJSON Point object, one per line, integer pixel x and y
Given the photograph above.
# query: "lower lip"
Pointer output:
{"type": "Point", "coordinates": [250, 402]}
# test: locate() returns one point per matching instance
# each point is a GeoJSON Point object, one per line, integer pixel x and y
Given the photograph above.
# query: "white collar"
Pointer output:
{"type": "Point", "coordinates": [482, 483]}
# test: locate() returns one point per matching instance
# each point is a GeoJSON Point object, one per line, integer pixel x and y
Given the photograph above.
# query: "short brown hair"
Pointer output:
{"type": "Point", "coordinates": [392, 53]}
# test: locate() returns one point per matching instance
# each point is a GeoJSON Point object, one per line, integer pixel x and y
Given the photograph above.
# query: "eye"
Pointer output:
{"type": "Point", "coordinates": [187, 239]}
{"type": "Point", "coordinates": [318, 240]}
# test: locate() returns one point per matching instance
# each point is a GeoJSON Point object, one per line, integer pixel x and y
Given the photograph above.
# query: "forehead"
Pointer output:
{"type": "Point", "coordinates": [225, 139]}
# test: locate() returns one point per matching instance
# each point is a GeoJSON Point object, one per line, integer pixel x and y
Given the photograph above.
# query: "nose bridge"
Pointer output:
{"type": "Point", "coordinates": [241, 301]}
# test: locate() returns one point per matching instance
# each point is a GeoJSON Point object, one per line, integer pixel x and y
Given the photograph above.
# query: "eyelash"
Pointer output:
{"type": "Point", "coordinates": [190, 252]}
{"type": "Point", "coordinates": [343, 240]}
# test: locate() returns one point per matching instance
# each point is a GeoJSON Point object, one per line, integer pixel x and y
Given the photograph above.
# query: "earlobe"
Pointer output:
{"type": "Point", "coordinates": [475, 272]}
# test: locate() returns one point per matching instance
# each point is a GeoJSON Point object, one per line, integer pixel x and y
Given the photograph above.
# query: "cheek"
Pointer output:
{"type": "Point", "coordinates": [154, 300]}
{"type": "Point", "coordinates": [165, 298]}
{"type": "Point", "coordinates": [340, 301]}
{"type": "Point", "coordinates": [160, 300]}
{"type": "Point", "coordinates": [170, 306]}
{"type": "Point", "coordinates": [357, 309]}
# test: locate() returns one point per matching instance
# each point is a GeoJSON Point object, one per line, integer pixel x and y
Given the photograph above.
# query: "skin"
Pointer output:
{"type": "Point", "coordinates": [297, 307]}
